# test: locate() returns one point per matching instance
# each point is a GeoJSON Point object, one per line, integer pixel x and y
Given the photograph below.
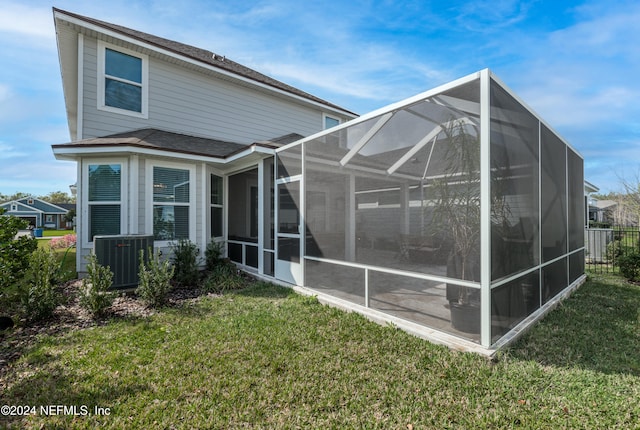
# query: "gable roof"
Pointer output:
{"type": "Point", "coordinates": [37, 206]}
{"type": "Point", "coordinates": [202, 56]}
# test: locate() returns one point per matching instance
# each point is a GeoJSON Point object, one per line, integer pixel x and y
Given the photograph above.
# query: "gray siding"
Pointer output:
{"type": "Point", "coordinates": [187, 101]}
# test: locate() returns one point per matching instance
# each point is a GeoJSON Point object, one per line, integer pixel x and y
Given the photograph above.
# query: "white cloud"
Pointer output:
{"type": "Point", "coordinates": [22, 20]}
{"type": "Point", "coordinates": [9, 151]}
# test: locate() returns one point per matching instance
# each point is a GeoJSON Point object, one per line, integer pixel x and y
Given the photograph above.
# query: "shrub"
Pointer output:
{"type": "Point", "coordinates": [223, 277]}
{"type": "Point", "coordinates": [212, 254]}
{"type": "Point", "coordinates": [630, 266]}
{"type": "Point", "coordinates": [14, 257]}
{"type": "Point", "coordinates": [185, 262]}
{"type": "Point", "coordinates": [95, 296]}
{"type": "Point", "coordinates": [614, 250]}
{"type": "Point", "coordinates": [154, 279]}
{"type": "Point", "coordinates": [63, 242]}
{"type": "Point", "coordinates": [38, 295]}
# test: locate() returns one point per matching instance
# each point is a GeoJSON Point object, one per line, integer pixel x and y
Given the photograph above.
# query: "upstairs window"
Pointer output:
{"type": "Point", "coordinates": [330, 121]}
{"type": "Point", "coordinates": [122, 81]}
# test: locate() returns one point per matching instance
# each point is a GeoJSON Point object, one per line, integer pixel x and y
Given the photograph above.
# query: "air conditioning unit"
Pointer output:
{"type": "Point", "coordinates": [122, 254]}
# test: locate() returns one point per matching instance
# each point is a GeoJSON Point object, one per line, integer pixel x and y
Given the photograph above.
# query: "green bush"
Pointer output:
{"type": "Point", "coordinates": [615, 250]}
{"type": "Point", "coordinates": [39, 298]}
{"type": "Point", "coordinates": [223, 277]}
{"type": "Point", "coordinates": [14, 258]}
{"type": "Point", "coordinates": [95, 296]}
{"type": "Point", "coordinates": [630, 266]}
{"type": "Point", "coordinates": [185, 262]}
{"type": "Point", "coordinates": [212, 254]}
{"type": "Point", "coordinates": [154, 279]}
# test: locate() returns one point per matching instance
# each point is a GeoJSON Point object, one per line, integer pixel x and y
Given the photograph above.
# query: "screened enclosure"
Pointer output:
{"type": "Point", "coordinates": [458, 209]}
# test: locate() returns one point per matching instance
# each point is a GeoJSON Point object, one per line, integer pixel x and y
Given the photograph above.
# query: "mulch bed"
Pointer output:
{"type": "Point", "coordinates": [71, 316]}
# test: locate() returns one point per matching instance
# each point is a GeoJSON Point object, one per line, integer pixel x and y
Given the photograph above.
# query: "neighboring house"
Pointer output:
{"type": "Point", "coordinates": [457, 213]}
{"type": "Point", "coordinates": [38, 212]}
{"type": "Point", "coordinates": [602, 210]}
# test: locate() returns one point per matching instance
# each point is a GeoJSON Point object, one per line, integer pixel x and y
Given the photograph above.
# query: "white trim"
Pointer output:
{"type": "Point", "coordinates": [144, 85]}
{"type": "Point", "coordinates": [390, 271]}
{"type": "Point", "coordinates": [72, 152]}
{"type": "Point", "coordinates": [80, 88]}
{"type": "Point", "coordinates": [540, 247]}
{"type": "Point", "coordinates": [485, 208]}
{"type": "Point", "coordinates": [134, 182]}
{"type": "Point", "coordinates": [80, 229]}
{"type": "Point", "coordinates": [149, 165]}
{"type": "Point", "coordinates": [288, 179]}
{"type": "Point", "coordinates": [261, 196]}
{"type": "Point", "coordinates": [250, 150]}
{"type": "Point", "coordinates": [269, 88]}
{"type": "Point", "coordinates": [204, 199]}
{"type": "Point", "coordinates": [323, 126]}
{"type": "Point", "coordinates": [84, 194]}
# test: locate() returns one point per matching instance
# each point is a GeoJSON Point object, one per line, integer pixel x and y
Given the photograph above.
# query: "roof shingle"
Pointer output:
{"type": "Point", "coordinates": [204, 56]}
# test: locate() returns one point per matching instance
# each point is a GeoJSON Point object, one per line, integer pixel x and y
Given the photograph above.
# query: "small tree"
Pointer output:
{"type": "Point", "coordinates": [95, 296]}
{"type": "Point", "coordinates": [213, 254]}
{"type": "Point", "coordinates": [38, 295]}
{"type": "Point", "coordinates": [185, 262]}
{"type": "Point", "coordinates": [14, 257]}
{"type": "Point", "coordinates": [154, 279]}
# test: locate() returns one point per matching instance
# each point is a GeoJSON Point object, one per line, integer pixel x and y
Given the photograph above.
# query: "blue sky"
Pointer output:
{"type": "Point", "coordinates": [577, 64]}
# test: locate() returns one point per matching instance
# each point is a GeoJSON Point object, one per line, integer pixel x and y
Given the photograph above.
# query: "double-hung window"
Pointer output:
{"type": "Point", "coordinates": [122, 81]}
{"type": "Point", "coordinates": [104, 198]}
{"type": "Point", "coordinates": [171, 203]}
{"type": "Point", "coordinates": [216, 206]}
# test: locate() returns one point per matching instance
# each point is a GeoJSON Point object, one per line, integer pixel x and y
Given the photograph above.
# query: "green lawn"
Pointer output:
{"type": "Point", "coordinates": [265, 357]}
{"type": "Point", "coordinates": [53, 233]}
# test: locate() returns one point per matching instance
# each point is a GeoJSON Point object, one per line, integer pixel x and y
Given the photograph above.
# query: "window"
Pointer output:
{"type": "Point", "coordinates": [171, 203]}
{"type": "Point", "coordinates": [14, 207]}
{"type": "Point", "coordinates": [330, 122]}
{"type": "Point", "coordinates": [122, 81]}
{"type": "Point", "coordinates": [49, 218]}
{"type": "Point", "coordinates": [104, 199]}
{"type": "Point", "coordinates": [216, 206]}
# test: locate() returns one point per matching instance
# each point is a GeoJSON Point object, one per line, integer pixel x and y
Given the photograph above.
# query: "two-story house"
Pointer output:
{"type": "Point", "coordinates": [457, 214]}
{"type": "Point", "coordinates": [163, 133]}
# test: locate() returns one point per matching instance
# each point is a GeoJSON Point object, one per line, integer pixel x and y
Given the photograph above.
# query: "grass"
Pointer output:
{"type": "Point", "coordinates": [54, 233]}
{"type": "Point", "coordinates": [266, 357]}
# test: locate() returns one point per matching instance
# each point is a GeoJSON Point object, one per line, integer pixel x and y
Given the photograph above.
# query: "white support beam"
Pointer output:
{"type": "Point", "coordinates": [485, 209]}
{"type": "Point", "coordinates": [418, 146]}
{"type": "Point", "coordinates": [366, 138]}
